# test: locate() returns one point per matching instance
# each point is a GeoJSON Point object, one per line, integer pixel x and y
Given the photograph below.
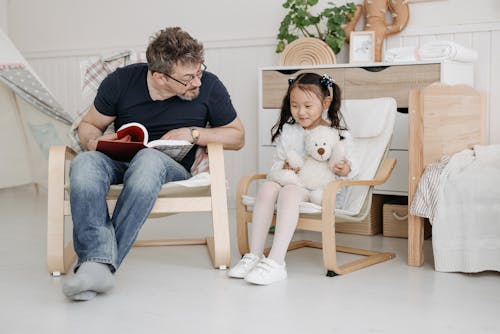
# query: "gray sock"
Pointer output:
{"type": "Point", "coordinates": [91, 276]}
{"type": "Point", "coordinates": [83, 296]}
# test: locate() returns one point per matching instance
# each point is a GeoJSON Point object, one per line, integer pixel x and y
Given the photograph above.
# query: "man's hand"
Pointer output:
{"type": "Point", "coordinates": [342, 168]}
{"type": "Point", "coordinates": [92, 143]}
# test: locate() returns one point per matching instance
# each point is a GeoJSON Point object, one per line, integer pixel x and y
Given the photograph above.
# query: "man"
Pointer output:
{"type": "Point", "coordinates": [174, 98]}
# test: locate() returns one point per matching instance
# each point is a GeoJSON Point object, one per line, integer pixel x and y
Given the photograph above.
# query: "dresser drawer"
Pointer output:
{"type": "Point", "coordinates": [393, 81]}
{"type": "Point", "coordinates": [357, 82]}
{"type": "Point", "coordinates": [275, 83]}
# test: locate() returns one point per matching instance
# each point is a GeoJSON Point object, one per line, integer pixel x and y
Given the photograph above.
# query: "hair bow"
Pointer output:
{"type": "Point", "coordinates": [326, 81]}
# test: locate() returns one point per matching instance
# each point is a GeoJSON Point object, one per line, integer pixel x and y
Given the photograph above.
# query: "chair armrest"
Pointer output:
{"type": "Point", "coordinates": [244, 183]}
{"type": "Point", "coordinates": [215, 157]}
{"type": "Point", "coordinates": [383, 174]}
{"type": "Point", "coordinates": [216, 167]}
{"type": "Point", "coordinates": [58, 155]}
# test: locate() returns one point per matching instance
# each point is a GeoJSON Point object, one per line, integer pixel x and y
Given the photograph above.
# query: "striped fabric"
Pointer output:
{"type": "Point", "coordinates": [425, 201]}
{"type": "Point", "coordinates": [28, 86]}
{"type": "Point", "coordinates": [95, 71]}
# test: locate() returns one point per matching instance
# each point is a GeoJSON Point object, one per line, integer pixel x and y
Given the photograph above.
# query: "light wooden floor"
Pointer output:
{"type": "Point", "coordinates": [175, 290]}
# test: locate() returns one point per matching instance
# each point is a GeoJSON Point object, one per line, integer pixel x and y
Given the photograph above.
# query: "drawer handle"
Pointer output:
{"type": "Point", "coordinates": [398, 217]}
{"type": "Point", "coordinates": [375, 68]}
{"type": "Point", "coordinates": [288, 72]}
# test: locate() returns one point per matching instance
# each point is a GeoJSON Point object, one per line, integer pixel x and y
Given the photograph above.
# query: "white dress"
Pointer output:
{"type": "Point", "coordinates": [292, 138]}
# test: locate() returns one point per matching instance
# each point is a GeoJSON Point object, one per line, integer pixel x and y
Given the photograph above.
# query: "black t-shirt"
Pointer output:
{"type": "Point", "coordinates": [124, 94]}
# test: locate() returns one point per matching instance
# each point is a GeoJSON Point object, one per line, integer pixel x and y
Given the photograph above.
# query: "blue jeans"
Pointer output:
{"type": "Point", "coordinates": [98, 237]}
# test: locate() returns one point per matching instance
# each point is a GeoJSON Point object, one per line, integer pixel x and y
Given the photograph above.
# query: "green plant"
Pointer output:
{"type": "Point", "coordinates": [327, 25]}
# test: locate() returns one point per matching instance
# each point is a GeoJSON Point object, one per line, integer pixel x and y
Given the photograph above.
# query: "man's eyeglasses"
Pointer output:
{"type": "Point", "coordinates": [189, 81]}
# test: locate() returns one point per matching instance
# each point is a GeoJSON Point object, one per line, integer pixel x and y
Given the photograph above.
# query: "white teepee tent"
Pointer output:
{"type": "Point", "coordinates": [31, 120]}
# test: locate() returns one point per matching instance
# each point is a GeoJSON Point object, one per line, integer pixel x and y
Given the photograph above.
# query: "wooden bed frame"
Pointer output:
{"type": "Point", "coordinates": [443, 120]}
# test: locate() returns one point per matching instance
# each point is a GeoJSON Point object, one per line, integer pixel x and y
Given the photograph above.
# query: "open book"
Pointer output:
{"type": "Point", "coordinates": [124, 150]}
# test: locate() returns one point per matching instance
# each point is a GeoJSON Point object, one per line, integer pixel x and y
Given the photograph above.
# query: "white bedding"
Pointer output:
{"type": "Point", "coordinates": [434, 50]}
{"type": "Point", "coordinates": [466, 228]}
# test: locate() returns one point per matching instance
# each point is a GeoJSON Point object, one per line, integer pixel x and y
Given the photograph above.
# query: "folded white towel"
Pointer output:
{"type": "Point", "coordinates": [407, 53]}
{"type": "Point", "coordinates": [440, 50]}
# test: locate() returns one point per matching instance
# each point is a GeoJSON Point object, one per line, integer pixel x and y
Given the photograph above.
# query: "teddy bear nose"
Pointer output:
{"type": "Point", "coordinates": [321, 151]}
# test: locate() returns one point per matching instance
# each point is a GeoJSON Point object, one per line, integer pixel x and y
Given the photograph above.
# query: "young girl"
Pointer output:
{"type": "Point", "coordinates": [307, 99]}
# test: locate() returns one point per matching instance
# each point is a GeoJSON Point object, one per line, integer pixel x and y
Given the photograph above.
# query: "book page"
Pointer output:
{"type": "Point", "coordinates": [136, 131]}
{"type": "Point", "coordinates": [177, 149]}
{"type": "Point", "coordinates": [168, 142]}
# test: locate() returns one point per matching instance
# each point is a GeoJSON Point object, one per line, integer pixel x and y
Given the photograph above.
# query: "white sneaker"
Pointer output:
{"type": "Point", "coordinates": [267, 271]}
{"type": "Point", "coordinates": [246, 264]}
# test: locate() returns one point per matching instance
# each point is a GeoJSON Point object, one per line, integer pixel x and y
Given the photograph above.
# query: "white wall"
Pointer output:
{"type": "Point", "coordinates": [71, 24]}
{"type": "Point", "coordinates": [3, 15]}
{"type": "Point", "coordinates": [239, 37]}
{"type": "Point", "coordinates": [76, 24]}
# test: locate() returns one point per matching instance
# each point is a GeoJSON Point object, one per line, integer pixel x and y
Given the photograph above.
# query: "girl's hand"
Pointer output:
{"type": "Point", "coordinates": [286, 165]}
{"type": "Point", "coordinates": [342, 168]}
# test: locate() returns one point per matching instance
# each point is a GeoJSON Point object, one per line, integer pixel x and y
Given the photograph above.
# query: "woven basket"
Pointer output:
{"type": "Point", "coordinates": [307, 51]}
{"type": "Point", "coordinates": [395, 221]}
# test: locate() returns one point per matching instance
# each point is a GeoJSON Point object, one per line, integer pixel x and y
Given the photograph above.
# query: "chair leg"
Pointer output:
{"type": "Point", "coordinates": [59, 257]}
{"type": "Point", "coordinates": [219, 245]}
{"type": "Point", "coordinates": [242, 231]}
{"type": "Point", "coordinates": [328, 236]}
{"type": "Point", "coordinates": [331, 273]}
{"type": "Point", "coordinates": [55, 245]}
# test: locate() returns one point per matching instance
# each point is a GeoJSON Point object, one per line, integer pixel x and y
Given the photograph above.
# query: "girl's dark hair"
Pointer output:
{"type": "Point", "coordinates": [319, 86]}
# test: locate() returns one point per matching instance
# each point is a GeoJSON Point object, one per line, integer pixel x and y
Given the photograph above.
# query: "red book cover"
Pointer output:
{"type": "Point", "coordinates": [124, 150]}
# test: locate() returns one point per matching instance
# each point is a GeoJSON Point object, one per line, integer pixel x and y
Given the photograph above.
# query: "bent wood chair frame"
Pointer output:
{"type": "Point", "coordinates": [323, 223]}
{"type": "Point", "coordinates": [61, 255]}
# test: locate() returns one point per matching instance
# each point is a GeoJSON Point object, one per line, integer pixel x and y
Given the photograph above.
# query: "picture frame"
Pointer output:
{"type": "Point", "coordinates": [362, 47]}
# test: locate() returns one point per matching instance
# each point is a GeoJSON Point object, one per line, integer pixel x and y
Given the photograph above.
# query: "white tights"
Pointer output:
{"type": "Point", "coordinates": [287, 200]}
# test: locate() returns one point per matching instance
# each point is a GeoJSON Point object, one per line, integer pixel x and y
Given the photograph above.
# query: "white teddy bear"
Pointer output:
{"type": "Point", "coordinates": [323, 150]}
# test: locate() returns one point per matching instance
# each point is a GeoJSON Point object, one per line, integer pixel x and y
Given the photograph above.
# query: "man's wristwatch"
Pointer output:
{"type": "Point", "coordinates": [195, 134]}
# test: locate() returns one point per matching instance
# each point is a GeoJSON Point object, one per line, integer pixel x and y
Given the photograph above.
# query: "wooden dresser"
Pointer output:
{"type": "Point", "coordinates": [358, 82]}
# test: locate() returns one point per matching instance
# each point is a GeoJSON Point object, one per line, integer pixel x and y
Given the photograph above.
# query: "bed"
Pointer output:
{"type": "Point", "coordinates": [443, 120]}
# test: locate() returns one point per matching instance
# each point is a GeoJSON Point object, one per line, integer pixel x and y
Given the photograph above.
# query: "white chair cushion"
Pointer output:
{"type": "Point", "coordinates": [304, 207]}
{"type": "Point", "coordinates": [367, 118]}
{"type": "Point", "coordinates": [370, 146]}
{"type": "Point", "coordinates": [198, 185]}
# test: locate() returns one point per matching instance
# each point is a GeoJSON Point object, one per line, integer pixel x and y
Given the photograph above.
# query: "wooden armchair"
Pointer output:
{"type": "Point", "coordinates": [372, 141]}
{"type": "Point", "coordinates": [175, 197]}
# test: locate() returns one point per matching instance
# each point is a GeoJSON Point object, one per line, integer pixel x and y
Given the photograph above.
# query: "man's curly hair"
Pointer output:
{"type": "Point", "coordinates": [172, 46]}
